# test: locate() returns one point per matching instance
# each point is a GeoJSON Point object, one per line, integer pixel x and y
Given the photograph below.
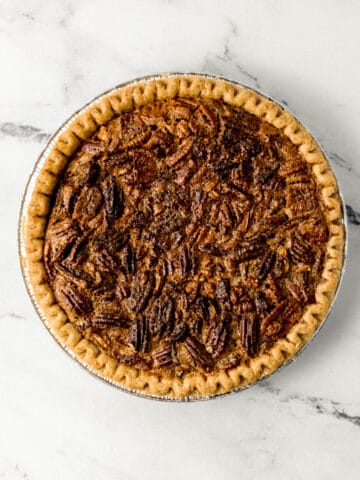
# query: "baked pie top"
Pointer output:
{"type": "Point", "coordinates": [188, 242]}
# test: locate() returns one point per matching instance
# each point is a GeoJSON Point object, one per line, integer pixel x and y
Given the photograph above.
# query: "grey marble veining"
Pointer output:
{"type": "Point", "coordinates": [322, 406]}
{"type": "Point", "coordinates": [22, 132]}
{"type": "Point", "coordinates": [58, 422]}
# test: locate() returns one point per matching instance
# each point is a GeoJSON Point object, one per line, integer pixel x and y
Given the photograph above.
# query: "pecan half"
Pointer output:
{"type": "Point", "coordinates": [301, 251]}
{"type": "Point", "coordinates": [203, 121]}
{"type": "Point", "coordinates": [118, 160]}
{"type": "Point", "coordinates": [92, 147]}
{"type": "Point", "coordinates": [104, 260]}
{"type": "Point", "coordinates": [250, 252]}
{"type": "Point", "coordinates": [73, 298]}
{"type": "Point", "coordinates": [197, 354]}
{"type": "Point", "coordinates": [261, 303]}
{"type": "Point", "coordinates": [74, 272]}
{"type": "Point", "coordinates": [141, 289]}
{"type": "Point", "coordinates": [109, 319]}
{"type": "Point", "coordinates": [246, 306]}
{"type": "Point", "coordinates": [299, 293]}
{"type": "Point", "coordinates": [198, 313]}
{"type": "Point", "coordinates": [250, 334]}
{"type": "Point", "coordinates": [273, 315]}
{"type": "Point", "coordinates": [179, 332]}
{"type": "Point", "coordinates": [114, 197]}
{"type": "Point", "coordinates": [139, 335]}
{"type": "Point", "coordinates": [223, 289]}
{"type": "Point", "coordinates": [129, 259]}
{"type": "Point", "coordinates": [77, 253]}
{"type": "Point", "coordinates": [68, 194]}
{"type": "Point", "coordinates": [187, 261]}
{"type": "Point", "coordinates": [179, 111]}
{"type": "Point", "coordinates": [184, 175]}
{"type": "Point", "coordinates": [113, 240]}
{"type": "Point", "coordinates": [300, 198]}
{"type": "Point", "coordinates": [291, 167]}
{"type": "Point", "coordinates": [163, 357]}
{"type": "Point", "coordinates": [145, 168]}
{"type": "Point", "coordinates": [266, 265]}
{"type": "Point", "coordinates": [182, 151]}
{"type": "Point", "coordinates": [161, 318]}
{"type": "Point", "coordinates": [129, 132]}
{"type": "Point", "coordinates": [64, 231]}
{"type": "Point", "coordinates": [88, 203]}
{"type": "Point", "coordinates": [231, 361]}
{"type": "Point", "coordinates": [134, 360]}
{"type": "Point", "coordinates": [216, 338]}
{"type": "Point", "coordinates": [160, 138]}
{"type": "Point", "coordinates": [226, 216]}
{"type": "Point", "coordinates": [315, 230]}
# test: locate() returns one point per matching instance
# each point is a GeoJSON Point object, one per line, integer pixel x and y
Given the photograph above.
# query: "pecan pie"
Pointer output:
{"type": "Point", "coordinates": [184, 237]}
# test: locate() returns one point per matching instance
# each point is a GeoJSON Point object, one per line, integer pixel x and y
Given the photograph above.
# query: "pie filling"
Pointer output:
{"type": "Point", "coordinates": [186, 235]}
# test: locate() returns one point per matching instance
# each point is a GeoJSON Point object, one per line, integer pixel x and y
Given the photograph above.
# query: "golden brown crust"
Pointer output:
{"type": "Point", "coordinates": [35, 220]}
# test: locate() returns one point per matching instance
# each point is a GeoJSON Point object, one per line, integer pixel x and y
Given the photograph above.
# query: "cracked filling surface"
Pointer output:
{"type": "Point", "coordinates": [186, 235]}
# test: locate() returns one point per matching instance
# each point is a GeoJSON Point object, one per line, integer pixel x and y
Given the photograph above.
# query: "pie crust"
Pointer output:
{"type": "Point", "coordinates": [35, 219]}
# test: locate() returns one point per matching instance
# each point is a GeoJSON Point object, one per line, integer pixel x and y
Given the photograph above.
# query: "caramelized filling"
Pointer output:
{"type": "Point", "coordinates": [186, 235]}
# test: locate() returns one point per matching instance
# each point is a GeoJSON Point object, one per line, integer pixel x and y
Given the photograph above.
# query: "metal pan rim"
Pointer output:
{"type": "Point", "coordinates": [22, 253]}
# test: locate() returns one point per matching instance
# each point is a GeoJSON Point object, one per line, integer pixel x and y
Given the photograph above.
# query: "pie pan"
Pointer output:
{"type": "Point", "coordinates": [98, 363]}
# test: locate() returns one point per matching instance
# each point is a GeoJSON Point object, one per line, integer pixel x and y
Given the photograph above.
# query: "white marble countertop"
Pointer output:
{"type": "Point", "coordinates": [58, 422]}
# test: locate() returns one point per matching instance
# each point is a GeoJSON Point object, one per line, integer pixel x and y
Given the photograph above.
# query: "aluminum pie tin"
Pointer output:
{"type": "Point", "coordinates": [23, 219]}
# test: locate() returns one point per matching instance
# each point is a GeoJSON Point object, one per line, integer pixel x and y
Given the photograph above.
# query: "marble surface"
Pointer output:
{"type": "Point", "coordinates": [56, 421]}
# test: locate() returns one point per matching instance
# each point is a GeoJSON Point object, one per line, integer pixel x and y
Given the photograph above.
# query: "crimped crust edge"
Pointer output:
{"type": "Point", "coordinates": [34, 223]}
